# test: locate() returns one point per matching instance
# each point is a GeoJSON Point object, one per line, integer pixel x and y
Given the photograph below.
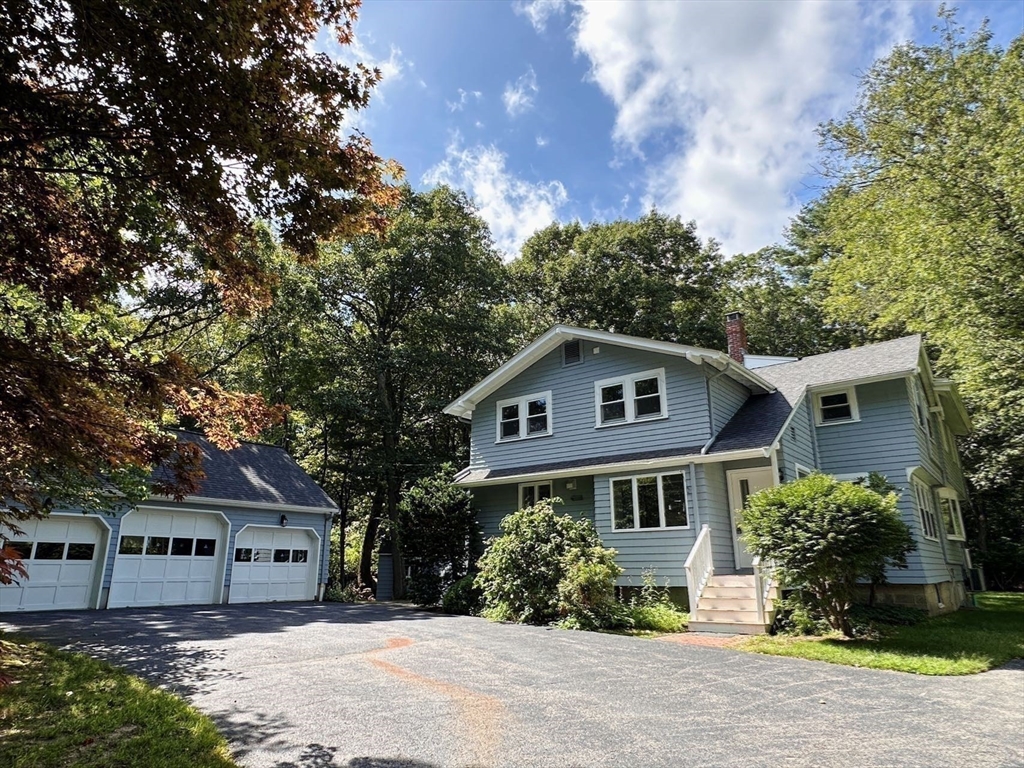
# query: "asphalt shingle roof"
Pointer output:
{"type": "Point", "coordinates": [255, 472]}
{"type": "Point", "coordinates": [758, 421]}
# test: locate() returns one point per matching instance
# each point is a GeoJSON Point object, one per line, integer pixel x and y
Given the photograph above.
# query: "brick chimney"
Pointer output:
{"type": "Point", "coordinates": [736, 333]}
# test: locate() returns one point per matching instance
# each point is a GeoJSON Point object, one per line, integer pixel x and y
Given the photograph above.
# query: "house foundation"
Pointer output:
{"type": "Point", "coordinates": [941, 597]}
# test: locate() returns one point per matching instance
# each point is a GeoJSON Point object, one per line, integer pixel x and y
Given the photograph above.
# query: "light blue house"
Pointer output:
{"type": "Point", "coordinates": [659, 444]}
{"type": "Point", "coordinates": [257, 531]}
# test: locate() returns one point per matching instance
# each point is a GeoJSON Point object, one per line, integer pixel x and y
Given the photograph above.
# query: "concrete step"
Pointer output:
{"type": "Point", "coordinates": [742, 617]}
{"type": "Point", "coordinates": [727, 627]}
{"type": "Point", "coordinates": [731, 580]}
{"type": "Point", "coordinates": [744, 602]}
{"type": "Point", "coordinates": [727, 592]}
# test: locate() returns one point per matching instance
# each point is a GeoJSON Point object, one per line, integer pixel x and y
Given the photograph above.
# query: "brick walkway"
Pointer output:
{"type": "Point", "coordinates": [701, 638]}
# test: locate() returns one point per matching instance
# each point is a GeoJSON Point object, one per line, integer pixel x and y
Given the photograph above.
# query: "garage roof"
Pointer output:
{"type": "Point", "coordinates": [256, 473]}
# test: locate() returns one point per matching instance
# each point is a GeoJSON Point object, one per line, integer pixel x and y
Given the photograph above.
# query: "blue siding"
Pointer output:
{"type": "Point", "coordinates": [494, 503]}
{"type": "Point", "coordinates": [575, 435]}
{"type": "Point", "coordinates": [713, 496]}
{"type": "Point", "coordinates": [885, 440]}
{"type": "Point", "coordinates": [796, 446]}
{"type": "Point", "coordinates": [727, 396]}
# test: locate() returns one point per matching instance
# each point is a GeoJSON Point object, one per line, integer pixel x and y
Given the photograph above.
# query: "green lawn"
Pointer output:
{"type": "Point", "coordinates": [71, 711]}
{"type": "Point", "coordinates": [961, 643]}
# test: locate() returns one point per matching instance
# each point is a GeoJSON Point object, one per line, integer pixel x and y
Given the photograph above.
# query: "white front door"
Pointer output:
{"type": "Point", "coordinates": [742, 484]}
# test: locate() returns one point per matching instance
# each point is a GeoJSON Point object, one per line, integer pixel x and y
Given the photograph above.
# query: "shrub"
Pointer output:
{"type": "Point", "coordinates": [824, 535]}
{"type": "Point", "coordinates": [521, 570]}
{"type": "Point", "coordinates": [350, 593]}
{"type": "Point", "coordinates": [652, 610]}
{"type": "Point", "coordinates": [586, 592]}
{"type": "Point", "coordinates": [463, 597]}
{"type": "Point", "coordinates": [439, 535]}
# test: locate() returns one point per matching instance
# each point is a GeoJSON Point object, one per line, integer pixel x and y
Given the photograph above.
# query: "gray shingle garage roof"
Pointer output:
{"type": "Point", "coordinates": [257, 473]}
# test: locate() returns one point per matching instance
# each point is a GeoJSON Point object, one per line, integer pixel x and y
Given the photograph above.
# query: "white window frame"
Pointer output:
{"type": "Point", "coordinates": [522, 403]}
{"type": "Point", "coordinates": [851, 398]}
{"type": "Point", "coordinates": [535, 486]}
{"type": "Point", "coordinates": [801, 471]}
{"type": "Point", "coordinates": [629, 396]}
{"type": "Point", "coordinates": [919, 402]}
{"type": "Point", "coordinates": [956, 513]}
{"type": "Point", "coordinates": [661, 502]}
{"type": "Point", "coordinates": [927, 511]}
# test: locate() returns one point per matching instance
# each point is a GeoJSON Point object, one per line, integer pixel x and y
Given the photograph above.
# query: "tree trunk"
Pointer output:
{"type": "Point", "coordinates": [369, 540]}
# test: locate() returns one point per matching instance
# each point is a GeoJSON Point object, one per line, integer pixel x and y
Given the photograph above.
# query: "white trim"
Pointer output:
{"type": "Point", "coordinates": [851, 399]}
{"type": "Point", "coordinates": [319, 550]}
{"type": "Point", "coordinates": [792, 413]}
{"type": "Point", "coordinates": [857, 381]}
{"type": "Point", "coordinates": [661, 502]}
{"type": "Point", "coordinates": [629, 396]}
{"type": "Point", "coordinates": [624, 466]}
{"type": "Point", "coordinates": [524, 418]}
{"type": "Point", "coordinates": [467, 402]}
{"type": "Point", "coordinates": [924, 501]}
{"type": "Point", "coordinates": [950, 494]}
{"type": "Point", "coordinates": [260, 505]}
{"type": "Point", "coordinates": [535, 485]}
{"type": "Point", "coordinates": [218, 588]}
{"type": "Point", "coordinates": [798, 468]}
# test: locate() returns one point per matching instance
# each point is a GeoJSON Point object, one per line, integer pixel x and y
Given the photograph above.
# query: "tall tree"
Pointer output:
{"type": "Point", "coordinates": [416, 312]}
{"type": "Point", "coordinates": [652, 277]}
{"type": "Point", "coordinates": [925, 232]}
{"type": "Point", "coordinates": [137, 142]}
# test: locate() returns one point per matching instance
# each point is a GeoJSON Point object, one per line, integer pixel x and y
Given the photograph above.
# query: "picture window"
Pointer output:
{"type": "Point", "coordinates": [649, 502]}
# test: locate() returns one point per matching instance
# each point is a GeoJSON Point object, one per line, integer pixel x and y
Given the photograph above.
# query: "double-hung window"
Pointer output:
{"type": "Point", "coordinates": [926, 509]}
{"type": "Point", "coordinates": [625, 399]}
{"type": "Point", "coordinates": [952, 518]}
{"type": "Point", "coordinates": [649, 501]}
{"type": "Point", "coordinates": [836, 407]}
{"type": "Point", "coordinates": [531, 493]}
{"type": "Point", "coordinates": [528, 416]}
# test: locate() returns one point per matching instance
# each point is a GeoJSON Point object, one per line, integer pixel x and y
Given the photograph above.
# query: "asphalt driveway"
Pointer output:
{"type": "Point", "coordinates": [374, 686]}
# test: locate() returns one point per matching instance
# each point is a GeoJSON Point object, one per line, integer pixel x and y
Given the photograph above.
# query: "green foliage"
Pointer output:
{"type": "Point", "coordinates": [350, 593]}
{"type": "Point", "coordinates": [651, 277]}
{"type": "Point", "coordinates": [463, 597]}
{"type": "Point", "coordinates": [586, 592]}
{"type": "Point", "coordinates": [521, 570]}
{"type": "Point", "coordinates": [66, 709]}
{"type": "Point", "coordinates": [825, 536]}
{"type": "Point", "coordinates": [439, 534]}
{"type": "Point", "coordinates": [923, 231]}
{"type": "Point", "coordinates": [961, 643]}
{"type": "Point", "coordinates": [651, 609]}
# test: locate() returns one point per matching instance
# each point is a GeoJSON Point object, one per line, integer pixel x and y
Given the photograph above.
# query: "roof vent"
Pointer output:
{"type": "Point", "coordinates": [572, 352]}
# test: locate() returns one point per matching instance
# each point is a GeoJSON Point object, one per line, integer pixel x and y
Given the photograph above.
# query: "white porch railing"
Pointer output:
{"type": "Point", "coordinates": [764, 583]}
{"type": "Point", "coordinates": [699, 567]}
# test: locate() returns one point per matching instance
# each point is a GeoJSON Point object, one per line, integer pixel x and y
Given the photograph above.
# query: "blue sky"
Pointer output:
{"type": "Point", "coordinates": [595, 109]}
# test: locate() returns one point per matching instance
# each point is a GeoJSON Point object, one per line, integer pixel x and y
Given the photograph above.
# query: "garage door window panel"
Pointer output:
{"type": "Point", "coordinates": [158, 545]}
{"type": "Point", "coordinates": [182, 547]}
{"type": "Point", "coordinates": [282, 555]}
{"type": "Point", "coordinates": [300, 555]}
{"type": "Point", "coordinates": [131, 545]}
{"type": "Point", "coordinates": [243, 555]}
{"type": "Point", "coordinates": [23, 548]}
{"type": "Point", "coordinates": [261, 555]}
{"type": "Point", "coordinates": [49, 550]}
{"type": "Point", "coordinates": [81, 551]}
{"type": "Point", "coordinates": [206, 547]}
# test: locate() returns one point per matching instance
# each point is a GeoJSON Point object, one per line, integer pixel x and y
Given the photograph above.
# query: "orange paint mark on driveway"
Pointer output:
{"type": "Point", "coordinates": [479, 715]}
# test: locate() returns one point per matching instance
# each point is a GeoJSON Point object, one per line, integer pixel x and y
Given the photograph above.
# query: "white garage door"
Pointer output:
{"type": "Point", "coordinates": [273, 564]}
{"type": "Point", "coordinates": [63, 555]}
{"type": "Point", "coordinates": [166, 558]}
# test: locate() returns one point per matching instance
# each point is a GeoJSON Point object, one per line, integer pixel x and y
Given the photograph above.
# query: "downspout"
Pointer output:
{"type": "Point", "coordinates": [696, 495]}
{"type": "Point", "coordinates": [322, 586]}
{"type": "Point", "coordinates": [776, 480]}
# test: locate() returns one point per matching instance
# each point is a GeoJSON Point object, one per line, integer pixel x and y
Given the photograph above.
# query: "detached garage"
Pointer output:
{"type": "Point", "coordinates": [258, 531]}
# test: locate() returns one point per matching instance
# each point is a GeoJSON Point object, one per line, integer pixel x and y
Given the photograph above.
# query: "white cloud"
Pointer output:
{"type": "Point", "coordinates": [722, 99]}
{"type": "Point", "coordinates": [518, 97]}
{"type": "Point", "coordinates": [463, 100]}
{"type": "Point", "coordinates": [513, 207]}
{"type": "Point", "coordinates": [542, 141]}
{"type": "Point", "coordinates": [539, 11]}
